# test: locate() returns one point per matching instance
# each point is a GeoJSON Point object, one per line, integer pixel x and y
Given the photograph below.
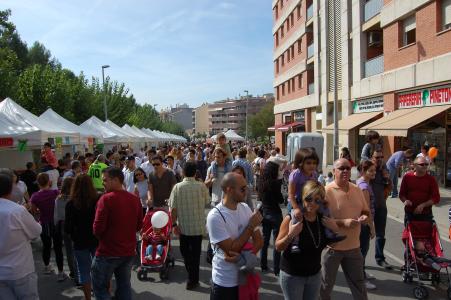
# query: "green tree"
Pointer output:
{"type": "Point", "coordinates": [40, 55]}
{"type": "Point", "coordinates": [145, 116]}
{"type": "Point", "coordinates": [172, 127]}
{"type": "Point", "coordinates": [259, 123]}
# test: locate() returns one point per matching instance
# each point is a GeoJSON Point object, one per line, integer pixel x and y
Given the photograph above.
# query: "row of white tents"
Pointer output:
{"type": "Point", "coordinates": [231, 135]}
{"type": "Point", "coordinates": [18, 124]}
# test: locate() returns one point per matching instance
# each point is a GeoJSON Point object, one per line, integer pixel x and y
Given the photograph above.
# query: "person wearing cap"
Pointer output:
{"type": "Point", "coordinates": [95, 171]}
{"type": "Point", "coordinates": [129, 174]}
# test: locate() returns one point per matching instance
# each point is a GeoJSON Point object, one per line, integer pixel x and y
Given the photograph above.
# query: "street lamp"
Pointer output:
{"type": "Point", "coordinates": [104, 91]}
{"type": "Point", "coordinates": [247, 101]}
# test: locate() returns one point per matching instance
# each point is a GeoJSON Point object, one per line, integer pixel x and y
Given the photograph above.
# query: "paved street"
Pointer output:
{"type": "Point", "coordinates": [389, 284]}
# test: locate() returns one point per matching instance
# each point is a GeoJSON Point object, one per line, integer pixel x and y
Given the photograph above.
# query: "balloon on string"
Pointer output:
{"type": "Point", "coordinates": [159, 219]}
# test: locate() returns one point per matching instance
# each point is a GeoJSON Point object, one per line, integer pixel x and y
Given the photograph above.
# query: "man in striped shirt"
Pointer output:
{"type": "Point", "coordinates": [187, 202]}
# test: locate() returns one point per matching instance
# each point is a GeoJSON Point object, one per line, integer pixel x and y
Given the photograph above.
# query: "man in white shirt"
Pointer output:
{"type": "Point", "coordinates": [147, 164]}
{"type": "Point", "coordinates": [18, 279]}
{"type": "Point", "coordinates": [53, 173]}
{"type": "Point", "coordinates": [230, 225]}
{"type": "Point", "coordinates": [129, 172]}
{"type": "Point", "coordinates": [215, 173]}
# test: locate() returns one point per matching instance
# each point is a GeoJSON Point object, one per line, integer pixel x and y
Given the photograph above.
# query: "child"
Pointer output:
{"type": "Point", "coordinates": [330, 178]}
{"type": "Point", "coordinates": [222, 143]}
{"type": "Point", "coordinates": [154, 235]}
{"type": "Point", "coordinates": [49, 155]}
{"type": "Point", "coordinates": [425, 258]}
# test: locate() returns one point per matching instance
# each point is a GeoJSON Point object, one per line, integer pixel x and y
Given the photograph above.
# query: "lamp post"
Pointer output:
{"type": "Point", "coordinates": [336, 143]}
{"type": "Point", "coordinates": [104, 91]}
{"type": "Point", "coordinates": [247, 101]}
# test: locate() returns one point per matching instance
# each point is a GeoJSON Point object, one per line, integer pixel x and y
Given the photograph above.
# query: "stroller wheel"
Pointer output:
{"type": "Point", "coordinates": [406, 277]}
{"type": "Point", "coordinates": [142, 275]}
{"type": "Point", "coordinates": [420, 292]}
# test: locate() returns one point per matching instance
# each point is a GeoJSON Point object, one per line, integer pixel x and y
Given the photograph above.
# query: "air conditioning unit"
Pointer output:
{"type": "Point", "coordinates": [374, 38]}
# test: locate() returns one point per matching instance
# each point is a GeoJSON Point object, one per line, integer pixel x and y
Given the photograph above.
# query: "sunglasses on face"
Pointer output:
{"type": "Point", "coordinates": [344, 169]}
{"type": "Point", "coordinates": [378, 157]}
{"type": "Point", "coordinates": [310, 199]}
{"type": "Point", "coordinates": [139, 174]}
{"type": "Point", "coordinates": [423, 165]}
{"type": "Point", "coordinates": [156, 164]}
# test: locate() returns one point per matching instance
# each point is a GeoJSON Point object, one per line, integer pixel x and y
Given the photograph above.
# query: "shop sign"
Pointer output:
{"type": "Point", "coordinates": [299, 116]}
{"type": "Point", "coordinates": [426, 97]}
{"type": "Point", "coordinates": [368, 105]}
{"type": "Point", "coordinates": [6, 142]}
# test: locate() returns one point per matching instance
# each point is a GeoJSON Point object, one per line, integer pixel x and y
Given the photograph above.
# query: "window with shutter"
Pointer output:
{"type": "Point", "coordinates": [334, 7]}
{"type": "Point", "coordinates": [409, 30]}
{"type": "Point", "coordinates": [446, 14]}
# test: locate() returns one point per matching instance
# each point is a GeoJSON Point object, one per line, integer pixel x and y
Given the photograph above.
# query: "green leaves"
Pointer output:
{"type": "Point", "coordinates": [259, 123]}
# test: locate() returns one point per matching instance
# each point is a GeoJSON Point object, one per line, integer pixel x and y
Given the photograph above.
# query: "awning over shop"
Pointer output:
{"type": "Point", "coordinates": [286, 127]}
{"type": "Point", "coordinates": [400, 121]}
{"type": "Point", "coordinates": [352, 121]}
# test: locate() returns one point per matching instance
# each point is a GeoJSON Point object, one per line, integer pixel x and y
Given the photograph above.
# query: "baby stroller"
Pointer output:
{"type": "Point", "coordinates": [426, 233]}
{"type": "Point", "coordinates": [160, 265]}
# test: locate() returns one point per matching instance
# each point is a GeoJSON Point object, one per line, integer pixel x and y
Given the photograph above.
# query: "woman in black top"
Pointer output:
{"type": "Point", "coordinates": [300, 276]}
{"type": "Point", "coordinates": [80, 213]}
{"type": "Point", "coordinates": [271, 196]}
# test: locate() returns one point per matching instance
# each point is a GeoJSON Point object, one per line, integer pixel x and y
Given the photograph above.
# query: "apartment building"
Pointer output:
{"type": "Point", "coordinates": [200, 119]}
{"type": "Point", "coordinates": [231, 113]}
{"type": "Point", "coordinates": [180, 114]}
{"type": "Point", "coordinates": [393, 62]}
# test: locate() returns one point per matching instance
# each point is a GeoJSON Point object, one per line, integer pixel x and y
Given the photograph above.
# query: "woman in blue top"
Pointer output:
{"type": "Point", "coordinates": [367, 170]}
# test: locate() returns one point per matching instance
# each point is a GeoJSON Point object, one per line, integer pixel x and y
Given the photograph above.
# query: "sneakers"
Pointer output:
{"type": "Point", "coordinates": [48, 270]}
{"type": "Point", "coordinates": [61, 276]}
{"type": "Point", "coordinates": [369, 285]}
{"type": "Point", "coordinates": [148, 257]}
{"type": "Point", "coordinates": [295, 249]}
{"type": "Point", "coordinates": [369, 276]}
{"type": "Point", "coordinates": [158, 256]}
{"type": "Point", "coordinates": [385, 265]}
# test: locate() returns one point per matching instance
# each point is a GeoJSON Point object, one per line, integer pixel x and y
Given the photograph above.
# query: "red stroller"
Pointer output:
{"type": "Point", "coordinates": [160, 265]}
{"type": "Point", "coordinates": [425, 232]}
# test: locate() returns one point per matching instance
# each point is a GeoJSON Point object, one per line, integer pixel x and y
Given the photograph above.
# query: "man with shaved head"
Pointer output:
{"type": "Point", "coordinates": [419, 191]}
{"type": "Point", "coordinates": [348, 207]}
{"type": "Point", "coordinates": [230, 225]}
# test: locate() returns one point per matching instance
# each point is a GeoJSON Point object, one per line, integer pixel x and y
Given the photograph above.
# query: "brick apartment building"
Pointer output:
{"type": "Point", "coordinates": [393, 73]}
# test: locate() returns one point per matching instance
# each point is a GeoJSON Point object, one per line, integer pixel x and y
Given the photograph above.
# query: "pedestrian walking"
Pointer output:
{"type": "Point", "coordinates": [270, 190]}
{"type": "Point", "coordinates": [80, 213]}
{"type": "Point", "coordinates": [230, 225]}
{"type": "Point", "coordinates": [248, 201]}
{"type": "Point", "coordinates": [242, 161]}
{"type": "Point", "coordinates": [117, 239]}
{"type": "Point", "coordinates": [161, 182]}
{"type": "Point", "coordinates": [393, 165]}
{"type": "Point", "coordinates": [18, 279]}
{"type": "Point", "coordinates": [29, 178]}
{"type": "Point", "coordinates": [215, 174]}
{"type": "Point", "coordinates": [95, 171]}
{"type": "Point", "coordinates": [129, 174]}
{"type": "Point", "coordinates": [372, 143]}
{"type": "Point", "coordinates": [348, 207]}
{"type": "Point", "coordinates": [187, 202]}
{"type": "Point", "coordinates": [141, 187]}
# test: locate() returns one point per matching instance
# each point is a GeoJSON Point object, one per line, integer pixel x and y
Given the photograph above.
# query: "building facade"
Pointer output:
{"type": "Point", "coordinates": [182, 114]}
{"type": "Point", "coordinates": [231, 113]}
{"type": "Point", "coordinates": [388, 62]}
{"type": "Point", "coordinates": [200, 119]}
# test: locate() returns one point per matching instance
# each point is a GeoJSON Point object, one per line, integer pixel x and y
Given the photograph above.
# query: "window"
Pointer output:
{"type": "Point", "coordinates": [292, 52]}
{"type": "Point", "coordinates": [300, 84]}
{"type": "Point", "coordinates": [278, 93]}
{"type": "Point", "coordinates": [277, 38]}
{"type": "Point", "coordinates": [283, 89]}
{"type": "Point", "coordinates": [288, 23]}
{"type": "Point", "coordinates": [281, 31]}
{"type": "Point", "coordinates": [283, 59]}
{"type": "Point", "coordinates": [446, 14]}
{"type": "Point", "coordinates": [292, 19]}
{"type": "Point", "coordinates": [281, 4]}
{"type": "Point", "coordinates": [289, 86]}
{"type": "Point", "coordinates": [300, 45]}
{"type": "Point", "coordinates": [277, 65]}
{"type": "Point", "coordinates": [276, 11]}
{"type": "Point", "coordinates": [293, 87]}
{"type": "Point", "coordinates": [298, 11]}
{"type": "Point", "coordinates": [409, 31]}
{"type": "Point", "coordinates": [288, 55]}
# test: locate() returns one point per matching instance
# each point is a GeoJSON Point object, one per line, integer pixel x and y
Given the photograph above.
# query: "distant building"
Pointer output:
{"type": "Point", "coordinates": [181, 114]}
{"type": "Point", "coordinates": [200, 119]}
{"type": "Point", "coordinates": [231, 113]}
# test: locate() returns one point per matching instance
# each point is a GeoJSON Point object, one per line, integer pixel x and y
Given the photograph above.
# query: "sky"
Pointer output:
{"type": "Point", "coordinates": [165, 51]}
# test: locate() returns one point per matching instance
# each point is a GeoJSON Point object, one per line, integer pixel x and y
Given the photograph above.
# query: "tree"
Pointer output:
{"type": "Point", "coordinates": [259, 123]}
{"type": "Point", "coordinates": [145, 116]}
{"type": "Point", "coordinates": [173, 128]}
{"type": "Point", "coordinates": [40, 55]}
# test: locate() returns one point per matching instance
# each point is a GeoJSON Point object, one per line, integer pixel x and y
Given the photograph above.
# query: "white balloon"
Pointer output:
{"type": "Point", "coordinates": [159, 219]}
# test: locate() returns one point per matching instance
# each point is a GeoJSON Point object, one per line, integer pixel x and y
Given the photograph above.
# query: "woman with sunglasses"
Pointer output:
{"type": "Point", "coordinates": [141, 187]}
{"type": "Point", "coordinates": [367, 170]}
{"type": "Point", "coordinates": [300, 271]}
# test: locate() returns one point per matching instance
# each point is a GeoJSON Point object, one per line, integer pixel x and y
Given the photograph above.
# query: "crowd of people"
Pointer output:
{"type": "Point", "coordinates": [93, 205]}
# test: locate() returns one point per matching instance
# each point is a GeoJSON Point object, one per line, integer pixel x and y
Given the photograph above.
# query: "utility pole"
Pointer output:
{"type": "Point", "coordinates": [105, 110]}
{"type": "Point", "coordinates": [335, 82]}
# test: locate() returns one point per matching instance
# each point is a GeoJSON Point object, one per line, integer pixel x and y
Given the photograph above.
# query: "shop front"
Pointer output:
{"type": "Point", "coordinates": [423, 117]}
{"type": "Point", "coordinates": [364, 111]}
{"type": "Point", "coordinates": [292, 122]}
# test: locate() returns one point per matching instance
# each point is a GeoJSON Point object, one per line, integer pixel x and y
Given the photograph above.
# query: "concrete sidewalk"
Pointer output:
{"type": "Point", "coordinates": [440, 211]}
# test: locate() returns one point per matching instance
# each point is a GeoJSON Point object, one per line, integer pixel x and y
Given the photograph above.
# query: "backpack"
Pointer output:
{"type": "Point", "coordinates": [210, 252]}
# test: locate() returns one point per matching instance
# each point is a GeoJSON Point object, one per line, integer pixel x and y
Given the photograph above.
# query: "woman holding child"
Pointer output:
{"type": "Point", "coordinates": [300, 271]}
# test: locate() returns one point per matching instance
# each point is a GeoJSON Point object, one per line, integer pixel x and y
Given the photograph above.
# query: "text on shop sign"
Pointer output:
{"type": "Point", "coordinates": [429, 97]}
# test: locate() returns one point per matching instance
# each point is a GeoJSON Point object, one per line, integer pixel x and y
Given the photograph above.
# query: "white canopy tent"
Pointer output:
{"type": "Point", "coordinates": [152, 133]}
{"type": "Point", "coordinates": [52, 117]}
{"type": "Point", "coordinates": [109, 135]}
{"type": "Point", "coordinates": [120, 131]}
{"type": "Point", "coordinates": [233, 136]}
{"type": "Point", "coordinates": [151, 136]}
{"type": "Point", "coordinates": [20, 124]}
{"type": "Point", "coordinates": [144, 136]}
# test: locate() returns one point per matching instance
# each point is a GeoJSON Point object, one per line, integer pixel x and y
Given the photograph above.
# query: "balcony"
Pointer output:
{"type": "Point", "coordinates": [309, 12]}
{"type": "Point", "coordinates": [374, 66]}
{"type": "Point", "coordinates": [310, 50]}
{"type": "Point", "coordinates": [372, 8]}
{"type": "Point", "coordinates": [311, 88]}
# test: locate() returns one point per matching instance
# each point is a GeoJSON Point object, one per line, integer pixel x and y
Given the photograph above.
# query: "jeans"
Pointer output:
{"type": "Point", "coordinates": [149, 250]}
{"type": "Point", "coordinates": [394, 179]}
{"type": "Point", "coordinates": [83, 259]}
{"type": "Point", "coordinates": [103, 269]}
{"type": "Point", "coordinates": [69, 247]}
{"type": "Point", "coordinates": [25, 288]}
{"type": "Point", "coordinates": [190, 248]}
{"type": "Point", "coordinates": [223, 293]}
{"type": "Point", "coordinates": [364, 242]}
{"type": "Point", "coordinates": [351, 262]}
{"type": "Point", "coordinates": [300, 287]}
{"type": "Point", "coordinates": [271, 223]}
{"type": "Point", "coordinates": [380, 222]}
{"type": "Point", "coordinates": [49, 234]}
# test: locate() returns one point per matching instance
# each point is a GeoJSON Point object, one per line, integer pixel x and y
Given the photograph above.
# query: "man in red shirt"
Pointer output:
{"type": "Point", "coordinates": [118, 218]}
{"type": "Point", "coordinates": [419, 191]}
